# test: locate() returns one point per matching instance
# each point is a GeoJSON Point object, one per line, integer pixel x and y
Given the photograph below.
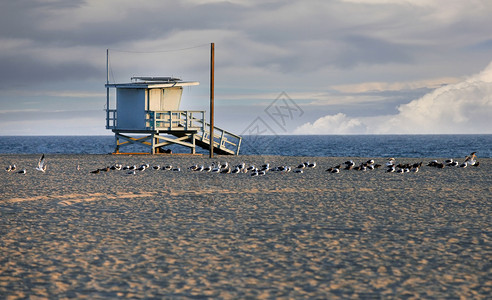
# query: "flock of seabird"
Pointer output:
{"type": "Point", "coordinates": [393, 167]}
{"type": "Point", "coordinates": [40, 167]}
{"type": "Point", "coordinates": [132, 170]}
{"type": "Point", "coordinates": [215, 167]}
{"type": "Point", "coordinates": [225, 168]}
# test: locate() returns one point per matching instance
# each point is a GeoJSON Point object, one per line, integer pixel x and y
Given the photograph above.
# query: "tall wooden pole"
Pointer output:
{"type": "Point", "coordinates": [212, 62]}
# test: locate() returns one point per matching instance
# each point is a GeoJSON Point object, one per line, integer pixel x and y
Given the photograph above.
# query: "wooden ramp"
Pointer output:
{"type": "Point", "coordinates": [225, 142]}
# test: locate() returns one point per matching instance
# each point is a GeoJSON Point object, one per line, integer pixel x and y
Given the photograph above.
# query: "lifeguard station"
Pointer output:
{"type": "Point", "coordinates": [149, 106]}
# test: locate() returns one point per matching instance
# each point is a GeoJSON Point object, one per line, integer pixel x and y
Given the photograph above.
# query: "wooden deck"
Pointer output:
{"type": "Point", "coordinates": [188, 128]}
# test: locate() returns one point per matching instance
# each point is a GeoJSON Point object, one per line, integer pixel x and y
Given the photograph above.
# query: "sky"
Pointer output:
{"type": "Point", "coordinates": [281, 66]}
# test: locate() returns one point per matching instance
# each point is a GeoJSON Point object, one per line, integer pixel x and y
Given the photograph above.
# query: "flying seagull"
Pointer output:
{"type": "Point", "coordinates": [41, 164]}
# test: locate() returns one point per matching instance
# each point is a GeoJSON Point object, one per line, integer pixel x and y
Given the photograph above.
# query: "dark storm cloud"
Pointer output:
{"type": "Point", "coordinates": [22, 71]}
{"type": "Point", "coordinates": [366, 50]}
{"type": "Point", "coordinates": [21, 18]}
{"type": "Point", "coordinates": [137, 22]}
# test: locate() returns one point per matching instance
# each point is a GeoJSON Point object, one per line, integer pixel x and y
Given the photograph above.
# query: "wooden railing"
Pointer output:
{"type": "Point", "coordinates": [175, 120]}
{"type": "Point", "coordinates": [184, 120]}
{"type": "Point", "coordinates": [111, 119]}
{"type": "Point", "coordinates": [223, 139]}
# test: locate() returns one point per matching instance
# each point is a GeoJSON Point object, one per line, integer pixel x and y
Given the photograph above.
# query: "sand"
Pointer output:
{"type": "Point", "coordinates": [161, 234]}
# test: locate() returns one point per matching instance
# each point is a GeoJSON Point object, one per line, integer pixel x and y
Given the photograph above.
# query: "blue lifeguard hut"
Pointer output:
{"type": "Point", "coordinates": [147, 112]}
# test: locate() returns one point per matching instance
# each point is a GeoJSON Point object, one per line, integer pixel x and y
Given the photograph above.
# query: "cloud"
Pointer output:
{"type": "Point", "coordinates": [395, 86]}
{"type": "Point", "coordinates": [460, 108]}
{"type": "Point", "coordinates": [317, 51]}
{"type": "Point", "coordinates": [332, 124]}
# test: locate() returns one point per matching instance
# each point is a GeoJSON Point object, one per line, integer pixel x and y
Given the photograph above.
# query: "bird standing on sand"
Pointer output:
{"type": "Point", "coordinates": [11, 168]}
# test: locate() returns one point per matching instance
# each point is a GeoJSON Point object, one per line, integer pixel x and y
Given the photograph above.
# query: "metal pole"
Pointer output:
{"type": "Point", "coordinates": [212, 62]}
{"type": "Point", "coordinates": [107, 88]}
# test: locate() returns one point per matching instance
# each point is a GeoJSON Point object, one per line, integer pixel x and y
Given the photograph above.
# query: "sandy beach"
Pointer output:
{"type": "Point", "coordinates": [159, 234]}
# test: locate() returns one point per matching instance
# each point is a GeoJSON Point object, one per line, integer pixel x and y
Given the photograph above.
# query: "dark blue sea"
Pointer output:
{"type": "Point", "coordinates": [439, 146]}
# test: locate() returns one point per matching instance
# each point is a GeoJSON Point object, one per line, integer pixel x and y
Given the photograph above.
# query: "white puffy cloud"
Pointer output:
{"type": "Point", "coordinates": [332, 124]}
{"type": "Point", "coordinates": [460, 108]}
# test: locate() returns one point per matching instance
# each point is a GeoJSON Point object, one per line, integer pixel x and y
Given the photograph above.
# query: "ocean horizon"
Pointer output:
{"type": "Point", "coordinates": [438, 145]}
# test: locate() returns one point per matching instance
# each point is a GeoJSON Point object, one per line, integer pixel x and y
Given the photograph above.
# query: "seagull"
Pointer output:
{"type": "Point", "coordinates": [298, 171]}
{"type": "Point", "coordinates": [95, 171]}
{"type": "Point", "coordinates": [9, 168]}
{"type": "Point", "coordinates": [312, 165]}
{"type": "Point", "coordinates": [132, 172]}
{"type": "Point", "coordinates": [390, 162]}
{"type": "Point", "coordinates": [240, 166]}
{"type": "Point", "coordinates": [23, 171]}
{"type": "Point", "coordinates": [452, 164]}
{"type": "Point", "coordinates": [41, 165]}
{"type": "Point", "coordinates": [471, 158]}
{"type": "Point", "coordinates": [464, 165]}
{"type": "Point", "coordinates": [284, 169]}
{"type": "Point", "coordinates": [167, 168]}
{"type": "Point", "coordinates": [116, 167]}
{"type": "Point", "coordinates": [156, 167]}
{"type": "Point", "coordinates": [177, 170]}
{"type": "Point", "coordinates": [301, 166]}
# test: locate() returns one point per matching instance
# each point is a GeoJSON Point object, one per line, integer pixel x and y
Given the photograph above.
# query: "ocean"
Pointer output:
{"type": "Point", "coordinates": [438, 146]}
